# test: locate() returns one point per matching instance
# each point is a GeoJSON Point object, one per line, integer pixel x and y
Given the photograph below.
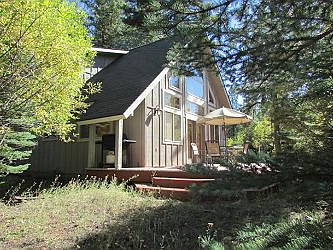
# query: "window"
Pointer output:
{"type": "Point", "coordinates": [102, 129]}
{"type": "Point", "coordinates": [195, 86]}
{"type": "Point", "coordinates": [192, 107]}
{"type": "Point", "coordinates": [174, 82]}
{"type": "Point", "coordinates": [172, 127]}
{"type": "Point", "coordinates": [211, 98]}
{"type": "Point", "coordinates": [168, 125]}
{"type": "Point", "coordinates": [214, 132]}
{"type": "Point", "coordinates": [84, 131]}
{"type": "Point", "coordinates": [177, 129]}
{"type": "Point", "coordinates": [217, 133]}
{"type": "Point", "coordinates": [171, 100]}
{"type": "Point", "coordinates": [211, 132]}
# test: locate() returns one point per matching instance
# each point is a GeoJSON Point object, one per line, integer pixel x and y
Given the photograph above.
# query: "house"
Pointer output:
{"type": "Point", "coordinates": [142, 100]}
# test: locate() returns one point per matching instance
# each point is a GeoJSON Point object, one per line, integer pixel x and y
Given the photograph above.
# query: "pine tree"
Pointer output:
{"type": "Point", "coordinates": [277, 54]}
{"type": "Point", "coordinates": [119, 23]}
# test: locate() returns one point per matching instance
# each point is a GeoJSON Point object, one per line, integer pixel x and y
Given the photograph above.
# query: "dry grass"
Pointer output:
{"type": "Point", "coordinates": [62, 216]}
{"type": "Point", "coordinates": [101, 215]}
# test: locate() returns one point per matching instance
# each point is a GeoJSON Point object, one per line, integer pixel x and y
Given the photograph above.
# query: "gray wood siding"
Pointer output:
{"type": "Point", "coordinates": [158, 153]}
{"type": "Point", "coordinates": [52, 156]}
{"type": "Point", "coordinates": [133, 128]}
{"type": "Point", "coordinates": [143, 126]}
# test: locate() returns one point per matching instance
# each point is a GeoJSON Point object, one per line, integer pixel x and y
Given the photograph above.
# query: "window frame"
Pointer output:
{"type": "Point", "coordinates": [170, 86]}
{"type": "Point", "coordinates": [174, 111]}
{"type": "Point", "coordinates": [203, 88]}
{"type": "Point", "coordinates": [79, 139]}
{"type": "Point", "coordinates": [170, 92]}
{"type": "Point", "coordinates": [195, 103]}
{"type": "Point", "coordinates": [213, 97]}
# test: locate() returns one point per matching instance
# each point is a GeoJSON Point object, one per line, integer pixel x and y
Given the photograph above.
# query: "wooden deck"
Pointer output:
{"type": "Point", "coordinates": [140, 175]}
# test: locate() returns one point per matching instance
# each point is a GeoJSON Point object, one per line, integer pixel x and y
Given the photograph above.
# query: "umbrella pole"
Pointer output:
{"type": "Point", "coordinates": [225, 141]}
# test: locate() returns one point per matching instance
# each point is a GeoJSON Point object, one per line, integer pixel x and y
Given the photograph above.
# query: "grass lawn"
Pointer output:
{"type": "Point", "coordinates": [103, 215]}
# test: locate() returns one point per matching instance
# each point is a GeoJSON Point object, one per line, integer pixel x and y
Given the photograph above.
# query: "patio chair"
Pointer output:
{"type": "Point", "coordinates": [196, 152]}
{"type": "Point", "coordinates": [213, 151]}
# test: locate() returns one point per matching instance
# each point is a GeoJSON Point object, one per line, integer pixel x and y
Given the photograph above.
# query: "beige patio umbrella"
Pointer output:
{"type": "Point", "coordinates": [225, 116]}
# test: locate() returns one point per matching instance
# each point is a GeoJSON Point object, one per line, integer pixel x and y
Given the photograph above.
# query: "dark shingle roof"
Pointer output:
{"type": "Point", "coordinates": [126, 78]}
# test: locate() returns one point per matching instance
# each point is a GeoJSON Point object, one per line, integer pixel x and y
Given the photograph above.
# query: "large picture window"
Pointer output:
{"type": "Point", "coordinates": [172, 127]}
{"type": "Point", "coordinates": [195, 86]}
{"type": "Point", "coordinates": [194, 108]}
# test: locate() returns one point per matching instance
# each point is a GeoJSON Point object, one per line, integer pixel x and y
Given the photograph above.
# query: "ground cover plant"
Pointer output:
{"type": "Point", "coordinates": [99, 214]}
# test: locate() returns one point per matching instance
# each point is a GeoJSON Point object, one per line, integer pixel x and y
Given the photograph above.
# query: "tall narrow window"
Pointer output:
{"type": "Point", "coordinates": [217, 133]}
{"type": "Point", "coordinates": [168, 125]}
{"type": "Point", "coordinates": [177, 127]}
{"type": "Point", "coordinates": [172, 127]}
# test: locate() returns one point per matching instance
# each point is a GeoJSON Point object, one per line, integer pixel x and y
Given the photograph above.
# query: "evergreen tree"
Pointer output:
{"type": "Point", "coordinates": [119, 23]}
{"type": "Point", "coordinates": [278, 54]}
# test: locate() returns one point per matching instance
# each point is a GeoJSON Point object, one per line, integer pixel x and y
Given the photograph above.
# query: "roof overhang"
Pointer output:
{"type": "Point", "coordinates": [111, 51]}
{"type": "Point", "coordinates": [101, 120]}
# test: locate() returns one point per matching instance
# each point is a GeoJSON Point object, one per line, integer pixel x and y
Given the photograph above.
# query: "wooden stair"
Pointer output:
{"type": "Point", "coordinates": [165, 192]}
{"type": "Point", "coordinates": [173, 187]}
{"type": "Point", "coordinates": [179, 182]}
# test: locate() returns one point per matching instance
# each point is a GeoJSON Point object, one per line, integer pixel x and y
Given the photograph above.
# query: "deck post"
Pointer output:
{"type": "Point", "coordinates": [92, 146]}
{"type": "Point", "coordinates": [119, 144]}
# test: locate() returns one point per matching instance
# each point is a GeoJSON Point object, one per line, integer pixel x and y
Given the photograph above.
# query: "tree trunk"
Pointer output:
{"type": "Point", "coordinates": [277, 137]}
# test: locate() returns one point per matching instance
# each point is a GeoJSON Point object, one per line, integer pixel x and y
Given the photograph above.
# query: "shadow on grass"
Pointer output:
{"type": "Point", "coordinates": [282, 219]}
{"type": "Point", "coordinates": [177, 225]}
{"type": "Point", "coordinates": [16, 185]}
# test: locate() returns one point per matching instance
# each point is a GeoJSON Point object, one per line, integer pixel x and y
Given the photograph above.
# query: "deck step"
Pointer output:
{"type": "Point", "coordinates": [141, 175]}
{"type": "Point", "coordinates": [165, 192]}
{"type": "Point", "coordinates": [179, 174]}
{"type": "Point", "coordinates": [179, 182]}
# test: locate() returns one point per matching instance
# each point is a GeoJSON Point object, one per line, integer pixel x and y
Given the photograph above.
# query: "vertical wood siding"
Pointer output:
{"type": "Point", "coordinates": [52, 156]}
{"type": "Point", "coordinates": [133, 128]}
{"type": "Point", "coordinates": [159, 154]}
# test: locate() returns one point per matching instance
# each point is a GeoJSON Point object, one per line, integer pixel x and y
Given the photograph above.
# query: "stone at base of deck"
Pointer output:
{"type": "Point", "coordinates": [139, 175]}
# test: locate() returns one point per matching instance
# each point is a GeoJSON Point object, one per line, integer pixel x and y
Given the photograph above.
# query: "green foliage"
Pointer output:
{"type": "Point", "coordinates": [239, 138]}
{"type": "Point", "coordinates": [44, 49]}
{"type": "Point", "coordinates": [259, 133]}
{"type": "Point", "coordinates": [259, 157]}
{"type": "Point", "coordinates": [118, 23]}
{"type": "Point", "coordinates": [306, 231]}
{"type": "Point", "coordinates": [276, 54]}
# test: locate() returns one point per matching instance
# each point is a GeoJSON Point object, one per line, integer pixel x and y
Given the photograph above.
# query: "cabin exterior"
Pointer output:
{"type": "Point", "coordinates": [142, 100]}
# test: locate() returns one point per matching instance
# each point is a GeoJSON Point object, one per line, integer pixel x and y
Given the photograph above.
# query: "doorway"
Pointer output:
{"type": "Point", "coordinates": [195, 134]}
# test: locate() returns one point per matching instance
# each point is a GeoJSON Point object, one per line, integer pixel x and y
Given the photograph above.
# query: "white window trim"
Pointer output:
{"type": "Point", "coordinates": [194, 96]}
{"type": "Point", "coordinates": [173, 142]}
{"type": "Point", "coordinates": [198, 115]}
{"type": "Point", "coordinates": [214, 104]}
{"type": "Point", "coordinates": [175, 111]}
{"type": "Point", "coordinates": [179, 90]}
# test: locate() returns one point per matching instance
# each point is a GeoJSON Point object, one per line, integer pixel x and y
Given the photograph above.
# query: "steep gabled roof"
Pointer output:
{"type": "Point", "coordinates": [125, 79]}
